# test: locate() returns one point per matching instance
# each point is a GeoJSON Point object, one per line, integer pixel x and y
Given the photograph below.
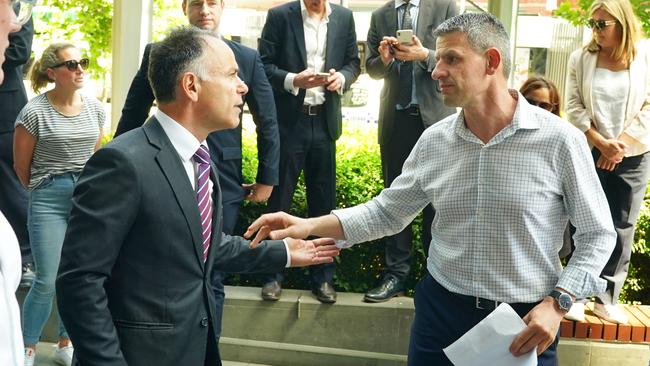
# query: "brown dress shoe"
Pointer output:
{"type": "Point", "coordinates": [271, 291]}
{"type": "Point", "coordinates": [325, 293]}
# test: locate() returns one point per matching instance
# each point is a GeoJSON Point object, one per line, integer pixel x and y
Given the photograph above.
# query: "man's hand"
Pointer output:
{"type": "Point", "coordinates": [278, 225]}
{"type": "Point", "coordinates": [411, 52]}
{"type": "Point", "coordinates": [385, 51]}
{"type": "Point", "coordinates": [257, 192]}
{"type": "Point", "coordinates": [335, 80]}
{"type": "Point", "coordinates": [308, 79]}
{"type": "Point", "coordinates": [543, 323]}
{"type": "Point", "coordinates": [310, 252]}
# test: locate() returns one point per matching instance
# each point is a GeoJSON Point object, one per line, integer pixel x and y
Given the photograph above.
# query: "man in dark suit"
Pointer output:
{"type": "Point", "coordinates": [410, 102]}
{"type": "Point", "coordinates": [310, 56]}
{"type": "Point", "coordinates": [226, 145]}
{"type": "Point", "coordinates": [13, 197]}
{"type": "Point", "coordinates": [145, 229]}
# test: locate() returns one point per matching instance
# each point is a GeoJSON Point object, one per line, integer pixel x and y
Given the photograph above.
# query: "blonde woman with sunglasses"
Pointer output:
{"type": "Point", "coordinates": [608, 98]}
{"type": "Point", "coordinates": [55, 134]}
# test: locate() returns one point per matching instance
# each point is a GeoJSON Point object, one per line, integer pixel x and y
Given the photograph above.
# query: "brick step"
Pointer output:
{"type": "Point", "coordinates": [593, 327]}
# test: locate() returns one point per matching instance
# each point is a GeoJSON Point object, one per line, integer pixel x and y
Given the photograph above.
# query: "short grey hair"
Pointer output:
{"type": "Point", "coordinates": [183, 50]}
{"type": "Point", "coordinates": [483, 31]}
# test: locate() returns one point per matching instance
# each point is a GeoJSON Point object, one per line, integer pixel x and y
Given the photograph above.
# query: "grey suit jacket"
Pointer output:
{"type": "Point", "coordinates": [133, 287]}
{"type": "Point", "coordinates": [384, 23]}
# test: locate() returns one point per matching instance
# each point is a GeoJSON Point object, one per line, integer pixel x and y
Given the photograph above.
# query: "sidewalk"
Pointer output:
{"type": "Point", "coordinates": [45, 357]}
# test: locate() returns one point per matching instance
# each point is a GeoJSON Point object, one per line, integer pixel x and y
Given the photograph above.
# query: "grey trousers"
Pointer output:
{"type": "Point", "coordinates": [624, 188]}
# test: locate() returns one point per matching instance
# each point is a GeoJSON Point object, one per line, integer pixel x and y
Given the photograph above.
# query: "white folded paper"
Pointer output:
{"type": "Point", "coordinates": [488, 342]}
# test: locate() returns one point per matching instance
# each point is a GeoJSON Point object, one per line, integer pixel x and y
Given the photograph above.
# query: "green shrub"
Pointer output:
{"type": "Point", "coordinates": [358, 179]}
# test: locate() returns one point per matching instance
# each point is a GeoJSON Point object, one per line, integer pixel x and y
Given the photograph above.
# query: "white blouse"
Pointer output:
{"type": "Point", "coordinates": [611, 90]}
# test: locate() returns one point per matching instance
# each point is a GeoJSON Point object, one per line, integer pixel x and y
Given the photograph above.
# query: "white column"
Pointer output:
{"type": "Point", "coordinates": [506, 11]}
{"type": "Point", "coordinates": [131, 33]}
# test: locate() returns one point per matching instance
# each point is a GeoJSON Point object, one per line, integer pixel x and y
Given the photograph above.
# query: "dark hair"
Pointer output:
{"type": "Point", "coordinates": [483, 31]}
{"type": "Point", "coordinates": [181, 51]}
{"type": "Point", "coordinates": [537, 82]}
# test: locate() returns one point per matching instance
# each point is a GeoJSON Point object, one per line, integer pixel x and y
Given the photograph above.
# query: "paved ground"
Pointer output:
{"type": "Point", "coordinates": [45, 357]}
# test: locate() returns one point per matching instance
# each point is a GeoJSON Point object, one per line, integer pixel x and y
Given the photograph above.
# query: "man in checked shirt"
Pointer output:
{"type": "Point", "coordinates": [504, 177]}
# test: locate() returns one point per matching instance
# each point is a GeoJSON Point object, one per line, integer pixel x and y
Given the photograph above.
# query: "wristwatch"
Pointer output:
{"type": "Point", "coordinates": [564, 300]}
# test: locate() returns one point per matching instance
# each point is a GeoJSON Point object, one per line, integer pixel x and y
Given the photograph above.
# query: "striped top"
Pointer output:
{"type": "Point", "coordinates": [63, 143]}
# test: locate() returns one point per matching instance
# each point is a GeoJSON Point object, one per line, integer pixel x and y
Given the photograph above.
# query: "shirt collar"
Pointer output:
{"type": "Point", "coordinates": [399, 3]}
{"type": "Point", "coordinates": [523, 118]}
{"type": "Point", "coordinates": [305, 13]}
{"type": "Point", "coordinates": [183, 141]}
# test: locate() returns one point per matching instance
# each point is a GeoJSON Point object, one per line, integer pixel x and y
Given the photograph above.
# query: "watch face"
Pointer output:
{"type": "Point", "coordinates": [565, 301]}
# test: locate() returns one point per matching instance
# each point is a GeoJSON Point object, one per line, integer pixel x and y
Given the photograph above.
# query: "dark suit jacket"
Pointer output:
{"type": "Point", "coordinates": [225, 146]}
{"type": "Point", "coordinates": [384, 23]}
{"type": "Point", "coordinates": [133, 287]}
{"type": "Point", "coordinates": [282, 48]}
{"type": "Point", "coordinates": [12, 90]}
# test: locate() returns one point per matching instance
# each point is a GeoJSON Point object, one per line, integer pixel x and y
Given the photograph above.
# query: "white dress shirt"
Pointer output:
{"type": "Point", "coordinates": [186, 145]}
{"type": "Point", "coordinates": [11, 337]}
{"type": "Point", "coordinates": [501, 208]}
{"type": "Point", "coordinates": [315, 30]}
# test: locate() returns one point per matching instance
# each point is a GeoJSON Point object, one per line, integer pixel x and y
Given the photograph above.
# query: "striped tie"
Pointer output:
{"type": "Point", "coordinates": [202, 159]}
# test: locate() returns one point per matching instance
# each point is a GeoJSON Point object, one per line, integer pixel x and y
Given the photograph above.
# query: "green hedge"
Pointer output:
{"type": "Point", "coordinates": [358, 174]}
{"type": "Point", "coordinates": [358, 179]}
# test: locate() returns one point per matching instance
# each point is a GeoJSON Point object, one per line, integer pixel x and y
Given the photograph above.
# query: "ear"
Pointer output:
{"type": "Point", "coordinates": [184, 7]}
{"type": "Point", "coordinates": [493, 60]}
{"type": "Point", "coordinates": [51, 74]}
{"type": "Point", "coordinates": [189, 87]}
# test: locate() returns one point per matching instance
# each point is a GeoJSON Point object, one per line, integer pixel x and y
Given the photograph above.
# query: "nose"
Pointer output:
{"type": "Point", "coordinates": [437, 72]}
{"type": "Point", "coordinates": [242, 88]}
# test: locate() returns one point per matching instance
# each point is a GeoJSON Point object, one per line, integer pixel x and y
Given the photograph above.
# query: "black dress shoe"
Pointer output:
{"type": "Point", "coordinates": [271, 291]}
{"type": "Point", "coordinates": [387, 289]}
{"type": "Point", "coordinates": [28, 276]}
{"type": "Point", "coordinates": [325, 293]}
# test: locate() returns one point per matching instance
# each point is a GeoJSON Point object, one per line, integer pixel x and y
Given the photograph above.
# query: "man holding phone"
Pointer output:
{"type": "Point", "coordinates": [401, 51]}
{"type": "Point", "coordinates": [310, 55]}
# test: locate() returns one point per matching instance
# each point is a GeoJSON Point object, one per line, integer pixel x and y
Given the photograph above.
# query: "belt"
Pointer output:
{"type": "Point", "coordinates": [312, 110]}
{"type": "Point", "coordinates": [413, 110]}
{"type": "Point", "coordinates": [478, 302]}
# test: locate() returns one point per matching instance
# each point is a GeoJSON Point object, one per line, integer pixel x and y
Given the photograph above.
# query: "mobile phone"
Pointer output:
{"type": "Point", "coordinates": [322, 74]}
{"type": "Point", "coordinates": [405, 36]}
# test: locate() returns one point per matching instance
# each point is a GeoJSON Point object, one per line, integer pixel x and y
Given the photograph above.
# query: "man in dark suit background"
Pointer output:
{"type": "Point", "coordinates": [145, 233]}
{"type": "Point", "coordinates": [13, 197]}
{"type": "Point", "coordinates": [226, 145]}
{"type": "Point", "coordinates": [410, 102]}
{"type": "Point", "coordinates": [310, 56]}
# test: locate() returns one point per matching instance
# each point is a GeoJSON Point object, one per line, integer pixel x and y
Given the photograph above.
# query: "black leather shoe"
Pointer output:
{"type": "Point", "coordinates": [325, 293]}
{"type": "Point", "coordinates": [387, 289]}
{"type": "Point", "coordinates": [28, 276]}
{"type": "Point", "coordinates": [271, 291]}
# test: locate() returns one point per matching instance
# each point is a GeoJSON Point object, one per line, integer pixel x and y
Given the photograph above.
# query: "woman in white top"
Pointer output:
{"type": "Point", "coordinates": [608, 98]}
{"type": "Point", "coordinates": [55, 134]}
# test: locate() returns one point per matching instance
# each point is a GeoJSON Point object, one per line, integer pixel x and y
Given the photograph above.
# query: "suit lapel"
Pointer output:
{"type": "Point", "coordinates": [217, 222]}
{"type": "Point", "coordinates": [171, 166]}
{"type": "Point", "coordinates": [390, 19]}
{"type": "Point", "coordinates": [298, 31]}
{"type": "Point", "coordinates": [332, 30]}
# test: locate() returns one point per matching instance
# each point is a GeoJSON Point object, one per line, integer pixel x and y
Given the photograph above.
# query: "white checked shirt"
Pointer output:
{"type": "Point", "coordinates": [501, 208]}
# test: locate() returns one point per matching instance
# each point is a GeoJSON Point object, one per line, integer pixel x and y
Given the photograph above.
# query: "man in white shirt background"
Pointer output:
{"type": "Point", "coordinates": [310, 55]}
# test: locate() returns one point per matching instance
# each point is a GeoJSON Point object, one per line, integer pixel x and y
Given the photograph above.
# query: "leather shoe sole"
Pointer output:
{"type": "Point", "coordinates": [271, 291]}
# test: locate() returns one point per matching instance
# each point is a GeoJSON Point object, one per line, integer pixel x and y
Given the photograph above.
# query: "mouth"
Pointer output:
{"type": "Point", "coordinates": [445, 87]}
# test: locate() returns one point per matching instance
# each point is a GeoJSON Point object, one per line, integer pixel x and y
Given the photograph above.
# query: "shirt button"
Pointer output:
{"type": "Point", "coordinates": [204, 322]}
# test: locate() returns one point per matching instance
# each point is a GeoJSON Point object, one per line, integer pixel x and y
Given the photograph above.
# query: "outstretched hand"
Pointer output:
{"type": "Point", "coordinates": [278, 225]}
{"type": "Point", "coordinates": [310, 252]}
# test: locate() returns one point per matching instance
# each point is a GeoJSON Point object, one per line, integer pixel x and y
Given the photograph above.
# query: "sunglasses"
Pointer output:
{"type": "Point", "coordinates": [600, 24]}
{"type": "Point", "coordinates": [73, 64]}
{"type": "Point", "coordinates": [547, 106]}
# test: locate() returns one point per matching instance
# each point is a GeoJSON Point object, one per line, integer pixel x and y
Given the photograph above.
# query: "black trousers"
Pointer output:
{"type": "Point", "coordinates": [307, 149]}
{"type": "Point", "coordinates": [441, 317]}
{"type": "Point", "coordinates": [624, 188]}
{"type": "Point", "coordinates": [13, 197]}
{"type": "Point", "coordinates": [393, 155]}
